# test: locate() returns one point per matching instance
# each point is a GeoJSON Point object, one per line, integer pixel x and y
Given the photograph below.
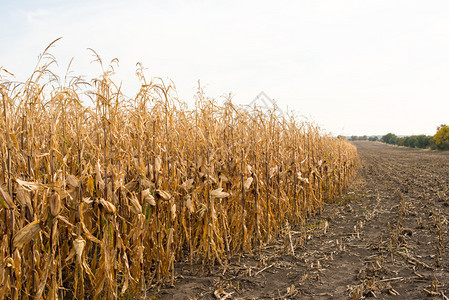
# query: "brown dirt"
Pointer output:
{"type": "Point", "coordinates": [387, 237]}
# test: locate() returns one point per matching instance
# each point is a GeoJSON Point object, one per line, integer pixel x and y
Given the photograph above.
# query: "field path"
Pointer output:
{"type": "Point", "coordinates": [386, 237]}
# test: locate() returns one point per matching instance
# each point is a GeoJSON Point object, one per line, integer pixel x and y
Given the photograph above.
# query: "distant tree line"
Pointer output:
{"type": "Point", "coordinates": [413, 141]}
{"type": "Point", "coordinates": [439, 141]}
{"type": "Point", "coordinates": [371, 138]}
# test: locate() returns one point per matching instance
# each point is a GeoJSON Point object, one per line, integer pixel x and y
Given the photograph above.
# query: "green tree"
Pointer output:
{"type": "Point", "coordinates": [390, 138]}
{"type": "Point", "coordinates": [423, 141]}
{"type": "Point", "coordinates": [410, 141]}
{"type": "Point", "coordinates": [441, 138]}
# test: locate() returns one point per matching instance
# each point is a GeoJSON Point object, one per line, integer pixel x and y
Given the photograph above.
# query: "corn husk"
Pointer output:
{"type": "Point", "coordinates": [107, 206]}
{"type": "Point", "coordinates": [72, 181]}
{"type": "Point", "coordinates": [135, 206]}
{"type": "Point", "coordinates": [55, 204]}
{"type": "Point", "coordinates": [219, 194]}
{"type": "Point", "coordinates": [163, 195]}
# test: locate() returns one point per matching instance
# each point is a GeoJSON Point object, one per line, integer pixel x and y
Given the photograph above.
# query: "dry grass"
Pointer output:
{"type": "Point", "coordinates": [102, 199]}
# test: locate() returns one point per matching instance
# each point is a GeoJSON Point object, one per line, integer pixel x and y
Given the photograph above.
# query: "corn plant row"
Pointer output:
{"type": "Point", "coordinates": [101, 199]}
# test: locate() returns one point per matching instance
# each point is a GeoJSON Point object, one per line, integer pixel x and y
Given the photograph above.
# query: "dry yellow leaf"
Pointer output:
{"type": "Point", "coordinates": [26, 234]}
{"type": "Point", "coordinates": [6, 199]}
{"type": "Point", "coordinates": [248, 182]}
{"type": "Point", "coordinates": [173, 211]}
{"type": "Point", "coordinates": [189, 204]}
{"type": "Point", "coordinates": [186, 185]}
{"type": "Point", "coordinates": [14, 140]}
{"type": "Point", "coordinates": [157, 164]}
{"type": "Point", "coordinates": [90, 185]}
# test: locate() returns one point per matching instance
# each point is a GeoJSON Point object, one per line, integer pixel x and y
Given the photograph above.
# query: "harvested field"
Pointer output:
{"type": "Point", "coordinates": [387, 237]}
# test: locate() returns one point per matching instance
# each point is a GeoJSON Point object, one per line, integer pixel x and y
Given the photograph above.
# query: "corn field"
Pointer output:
{"type": "Point", "coordinates": [100, 199]}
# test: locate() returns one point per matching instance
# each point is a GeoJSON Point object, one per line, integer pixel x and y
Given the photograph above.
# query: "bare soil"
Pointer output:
{"type": "Point", "coordinates": [386, 237]}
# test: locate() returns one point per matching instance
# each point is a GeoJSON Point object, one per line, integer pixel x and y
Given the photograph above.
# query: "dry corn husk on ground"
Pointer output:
{"type": "Point", "coordinates": [101, 199]}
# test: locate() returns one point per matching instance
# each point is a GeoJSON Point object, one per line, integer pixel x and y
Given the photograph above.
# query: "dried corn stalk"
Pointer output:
{"type": "Point", "coordinates": [112, 193]}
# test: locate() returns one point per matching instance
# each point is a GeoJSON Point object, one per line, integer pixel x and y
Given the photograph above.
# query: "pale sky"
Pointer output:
{"type": "Point", "coordinates": [353, 67]}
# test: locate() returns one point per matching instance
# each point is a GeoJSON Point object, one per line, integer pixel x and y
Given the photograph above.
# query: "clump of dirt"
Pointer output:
{"type": "Point", "coordinates": [386, 237]}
